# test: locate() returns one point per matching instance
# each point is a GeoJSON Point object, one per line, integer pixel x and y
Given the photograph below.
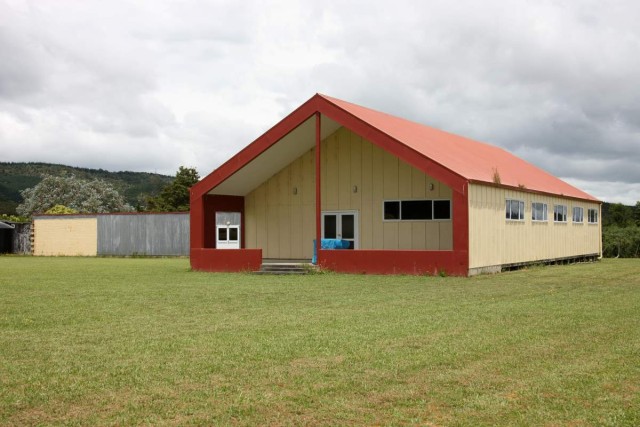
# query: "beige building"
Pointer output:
{"type": "Point", "coordinates": [397, 196]}
{"type": "Point", "coordinates": [69, 235]}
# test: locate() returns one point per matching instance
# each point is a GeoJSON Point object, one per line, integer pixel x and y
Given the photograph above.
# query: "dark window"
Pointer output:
{"type": "Point", "coordinates": [416, 209]}
{"type": "Point", "coordinates": [391, 210]}
{"type": "Point", "coordinates": [441, 209]}
{"type": "Point", "coordinates": [233, 234]}
{"type": "Point", "coordinates": [222, 234]}
{"type": "Point", "coordinates": [348, 229]}
{"type": "Point", "coordinates": [560, 213]}
{"type": "Point", "coordinates": [330, 227]}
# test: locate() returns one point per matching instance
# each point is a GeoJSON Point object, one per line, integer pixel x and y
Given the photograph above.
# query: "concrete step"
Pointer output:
{"type": "Point", "coordinates": [285, 268]}
{"type": "Point", "coordinates": [279, 272]}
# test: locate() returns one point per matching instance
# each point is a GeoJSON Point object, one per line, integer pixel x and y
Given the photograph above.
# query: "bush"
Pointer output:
{"type": "Point", "coordinates": [14, 218]}
{"type": "Point", "coordinates": [61, 209]}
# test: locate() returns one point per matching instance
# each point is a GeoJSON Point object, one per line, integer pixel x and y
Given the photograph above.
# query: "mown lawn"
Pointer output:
{"type": "Point", "coordinates": [86, 341]}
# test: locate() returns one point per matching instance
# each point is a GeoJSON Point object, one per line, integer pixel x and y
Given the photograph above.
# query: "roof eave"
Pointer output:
{"type": "Point", "coordinates": [533, 191]}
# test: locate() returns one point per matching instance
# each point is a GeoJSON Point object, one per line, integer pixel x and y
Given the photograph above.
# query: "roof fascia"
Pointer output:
{"type": "Point", "coordinates": [528, 190]}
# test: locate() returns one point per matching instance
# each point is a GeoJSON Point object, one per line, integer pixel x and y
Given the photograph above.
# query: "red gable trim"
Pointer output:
{"type": "Point", "coordinates": [318, 103]}
{"type": "Point", "coordinates": [254, 149]}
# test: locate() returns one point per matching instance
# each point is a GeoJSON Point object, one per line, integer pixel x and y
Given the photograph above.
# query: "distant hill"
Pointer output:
{"type": "Point", "coordinates": [15, 177]}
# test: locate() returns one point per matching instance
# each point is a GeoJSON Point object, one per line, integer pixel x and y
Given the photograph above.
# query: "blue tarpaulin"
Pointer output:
{"type": "Point", "coordinates": [329, 244]}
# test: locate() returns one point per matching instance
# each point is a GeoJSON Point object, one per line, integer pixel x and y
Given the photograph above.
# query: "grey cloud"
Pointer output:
{"type": "Point", "coordinates": [20, 56]}
{"type": "Point", "coordinates": [193, 82]}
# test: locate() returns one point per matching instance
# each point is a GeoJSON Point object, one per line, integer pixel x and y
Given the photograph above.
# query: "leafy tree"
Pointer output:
{"type": "Point", "coordinates": [621, 242]}
{"type": "Point", "coordinates": [636, 213]}
{"type": "Point", "coordinates": [174, 197]}
{"type": "Point", "coordinates": [83, 196]}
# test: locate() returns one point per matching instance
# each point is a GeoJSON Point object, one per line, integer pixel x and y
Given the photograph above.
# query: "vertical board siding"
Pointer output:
{"type": "Point", "coordinates": [143, 234]}
{"type": "Point", "coordinates": [22, 238]}
{"type": "Point", "coordinates": [65, 236]}
{"type": "Point", "coordinates": [355, 175]}
{"type": "Point", "coordinates": [494, 240]}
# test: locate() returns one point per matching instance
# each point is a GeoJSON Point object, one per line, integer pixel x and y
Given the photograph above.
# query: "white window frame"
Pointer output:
{"type": "Point", "coordinates": [560, 213]}
{"type": "Point", "coordinates": [418, 220]}
{"type": "Point", "coordinates": [545, 215]}
{"type": "Point", "coordinates": [595, 216]}
{"type": "Point", "coordinates": [338, 214]}
{"type": "Point", "coordinates": [520, 208]}
{"type": "Point", "coordinates": [573, 216]}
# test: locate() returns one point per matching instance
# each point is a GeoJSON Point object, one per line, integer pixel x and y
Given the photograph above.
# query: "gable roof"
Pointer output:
{"type": "Point", "coordinates": [461, 157]}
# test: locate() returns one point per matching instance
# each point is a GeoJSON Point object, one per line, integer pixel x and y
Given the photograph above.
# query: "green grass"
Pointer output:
{"type": "Point", "coordinates": [86, 341]}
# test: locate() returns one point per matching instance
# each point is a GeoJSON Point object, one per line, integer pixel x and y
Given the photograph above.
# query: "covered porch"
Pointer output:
{"type": "Point", "coordinates": [300, 183]}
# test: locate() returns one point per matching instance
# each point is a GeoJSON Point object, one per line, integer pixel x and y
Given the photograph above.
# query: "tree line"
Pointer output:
{"type": "Point", "coordinates": [70, 194]}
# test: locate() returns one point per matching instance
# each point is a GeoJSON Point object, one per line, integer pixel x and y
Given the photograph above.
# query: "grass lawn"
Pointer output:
{"type": "Point", "coordinates": [86, 341]}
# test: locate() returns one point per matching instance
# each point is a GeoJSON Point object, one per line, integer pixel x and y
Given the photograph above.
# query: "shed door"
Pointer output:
{"type": "Point", "coordinates": [228, 230]}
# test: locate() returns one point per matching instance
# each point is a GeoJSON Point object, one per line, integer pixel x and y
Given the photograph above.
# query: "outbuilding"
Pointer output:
{"type": "Point", "coordinates": [402, 197]}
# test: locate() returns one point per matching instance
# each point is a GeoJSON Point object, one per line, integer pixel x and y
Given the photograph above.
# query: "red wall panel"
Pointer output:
{"type": "Point", "coordinates": [219, 260]}
{"type": "Point", "coordinates": [394, 262]}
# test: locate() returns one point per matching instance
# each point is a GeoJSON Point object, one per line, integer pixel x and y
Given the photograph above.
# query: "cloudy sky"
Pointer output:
{"type": "Point", "coordinates": [152, 85]}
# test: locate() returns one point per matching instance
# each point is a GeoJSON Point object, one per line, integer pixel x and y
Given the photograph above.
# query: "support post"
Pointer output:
{"type": "Point", "coordinates": [318, 193]}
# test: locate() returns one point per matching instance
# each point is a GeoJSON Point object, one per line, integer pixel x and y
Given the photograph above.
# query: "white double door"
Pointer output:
{"type": "Point", "coordinates": [228, 230]}
{"type": "Point", "coordinates": [341, 225]}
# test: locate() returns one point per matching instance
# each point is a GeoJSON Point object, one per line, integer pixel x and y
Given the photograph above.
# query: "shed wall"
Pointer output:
{"type": "Point", "coordinates": [283, 223]}
{"type": "Point", "coordinates": [70, 236]}
{"type": "Point", "coordinates": [143, 234]}
{"type": "Point", "coordinates": [494, 240]}
{"type": "Point", "coordinates": [22, 238]}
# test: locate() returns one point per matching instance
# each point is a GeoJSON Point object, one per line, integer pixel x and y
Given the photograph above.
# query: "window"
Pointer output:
{"type": "Point", "coordinates": [330, 227]}
{"type": "Point", "coordinates": [416, 210]}
{"type": "Point", "coordinates": [391, 210]}
{"type": "Point", "coordinates": [441, 209]}
{"type": "Point", "coordinates": [515, 209]}
{"type": "Point", "coordinates": [560, 213]}
{"type": "Point", "coordinates": [592, 216]}
{"type": "Point", "coordinates": [222, 233]}
{"type": "Point", "coordinates": [539, 211]}
{"type": "Point", "coordinates": [578, 215]}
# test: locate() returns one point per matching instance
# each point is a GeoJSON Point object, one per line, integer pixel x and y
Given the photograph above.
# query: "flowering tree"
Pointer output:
{"type": "Point", "coordinates": [96, 196]}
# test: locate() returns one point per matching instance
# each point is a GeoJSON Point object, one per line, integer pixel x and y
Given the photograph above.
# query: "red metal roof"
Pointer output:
{"type": "Point", "coordinates": [452, 158]}
{"type": "Point", "coordinates": [472, 160]}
